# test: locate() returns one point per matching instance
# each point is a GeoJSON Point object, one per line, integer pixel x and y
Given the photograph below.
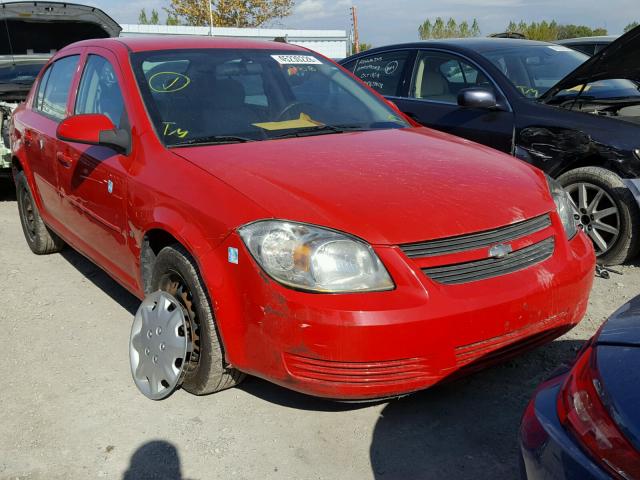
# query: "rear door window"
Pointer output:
{"type": "Point", "coordinates": [383, 72]}
{"type": "Point", "coordinates": [43, 84]}
{"type": "Point", "coordinates": [53, 102]}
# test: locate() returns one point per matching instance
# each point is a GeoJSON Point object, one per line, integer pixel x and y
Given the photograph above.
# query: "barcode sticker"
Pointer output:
{"type": "Point", "coordinates": [296, 60]}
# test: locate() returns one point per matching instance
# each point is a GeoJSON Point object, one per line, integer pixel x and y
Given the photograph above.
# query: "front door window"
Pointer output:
{"type": "Point", "coordinates": [99, 91]}
{"type": "Point", "coordinates": [440, 77]}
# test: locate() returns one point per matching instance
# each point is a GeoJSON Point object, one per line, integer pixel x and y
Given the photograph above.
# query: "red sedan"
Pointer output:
{"type": "Point", "coordinates": [281, 219]}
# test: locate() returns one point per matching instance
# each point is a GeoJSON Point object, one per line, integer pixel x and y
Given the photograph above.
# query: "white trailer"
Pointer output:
{"type": "Point", "coordinates": [330, 43]}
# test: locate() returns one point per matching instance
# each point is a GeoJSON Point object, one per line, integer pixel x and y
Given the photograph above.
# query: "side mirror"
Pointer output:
{"type": "Point", "coordinates": [477, 98]}
{"type": "Point", "coordinates": [94, 129]}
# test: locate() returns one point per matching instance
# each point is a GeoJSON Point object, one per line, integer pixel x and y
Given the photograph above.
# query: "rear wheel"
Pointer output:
{"type": "Point", "coordinates": [40, 239]}
{"type": "Point", "coordinates": [607, 212]}
{"type": "Point", "coordinates": [176, 273]}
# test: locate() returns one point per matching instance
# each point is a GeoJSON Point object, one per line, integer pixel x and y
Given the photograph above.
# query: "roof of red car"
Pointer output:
{"type": "Point", "coordinates": [150, 42]}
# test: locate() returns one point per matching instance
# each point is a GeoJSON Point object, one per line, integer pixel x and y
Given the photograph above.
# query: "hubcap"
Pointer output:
{"type": "Point", "coordinates": [596, 213]}
{"type": "Point", "coordinates": [160, 345]}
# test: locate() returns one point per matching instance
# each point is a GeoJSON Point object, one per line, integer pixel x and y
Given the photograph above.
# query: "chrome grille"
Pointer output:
{"type": "Point", "coordinates": [475, 241]}
{"type": "Point", "coordinates": [492, 267]}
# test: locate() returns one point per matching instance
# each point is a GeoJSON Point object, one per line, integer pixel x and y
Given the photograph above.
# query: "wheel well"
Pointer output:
{"type": "Point", "coordinates": [590, 161]}
{"type": "Point", "coordinates": [154, 241]}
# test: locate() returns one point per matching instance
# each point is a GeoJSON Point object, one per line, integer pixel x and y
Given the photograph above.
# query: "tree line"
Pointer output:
{"type": "Point", "coordinates": [449, 29]}
{"type": "Point", "coordinates": [225, 13]}
{"type": "Point", "coordinates": [546, 31]}
{"type": "Point", "coordinates": [256, 13]}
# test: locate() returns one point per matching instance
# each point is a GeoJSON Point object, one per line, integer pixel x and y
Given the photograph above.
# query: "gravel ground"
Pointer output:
{"type": "Point", "coordinates": [69, 408]}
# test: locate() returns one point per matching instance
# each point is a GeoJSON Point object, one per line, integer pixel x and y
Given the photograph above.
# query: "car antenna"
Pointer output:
{"type": "Point", "coordinates": [6, 25]}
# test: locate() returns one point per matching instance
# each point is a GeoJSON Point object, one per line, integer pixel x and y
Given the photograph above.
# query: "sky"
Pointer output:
{"type": "Point", "coordinates": [392, 21]}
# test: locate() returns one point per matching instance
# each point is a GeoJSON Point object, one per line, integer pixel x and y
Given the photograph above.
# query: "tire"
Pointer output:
{"type": "Point", "coordinates": [210, 374]}
{"type": "Point", "coordinates": [626, 244]}
{"type": "Point", "coordinates": [40, 239]}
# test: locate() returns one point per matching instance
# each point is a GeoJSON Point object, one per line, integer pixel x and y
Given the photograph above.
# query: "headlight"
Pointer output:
{"type": "Point", "coordinates": [563, 206]}
{"type": "Point", "coordinates": [314, 258]}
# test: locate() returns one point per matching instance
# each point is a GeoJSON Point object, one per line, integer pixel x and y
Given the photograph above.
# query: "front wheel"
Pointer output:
{"type": "Point", "coordinates": [175, 272]}
{"type": "Point", "coordinates": [607, 212]}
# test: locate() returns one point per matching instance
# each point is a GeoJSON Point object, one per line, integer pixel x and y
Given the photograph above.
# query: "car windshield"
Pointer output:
{"type": "Point", "coordinates": [612, 89]}
{"type": "Point", "coordinates": [207, 96]}
{"type": "Point", "coordinates": [534, 69]}
{"type": "Point", "coordinates": [20, 72]}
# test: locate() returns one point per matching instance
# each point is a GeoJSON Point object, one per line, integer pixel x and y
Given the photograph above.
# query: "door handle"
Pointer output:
{"type": "Point", "coordinates": [65, 160]}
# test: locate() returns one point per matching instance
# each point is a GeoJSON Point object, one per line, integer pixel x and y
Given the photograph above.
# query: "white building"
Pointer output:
{"type": "Point", "coordinates": [331, 43]}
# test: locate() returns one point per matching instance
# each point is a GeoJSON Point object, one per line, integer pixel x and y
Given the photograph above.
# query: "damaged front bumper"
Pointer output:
{"type": "Point", "coordinates": [365, 346]}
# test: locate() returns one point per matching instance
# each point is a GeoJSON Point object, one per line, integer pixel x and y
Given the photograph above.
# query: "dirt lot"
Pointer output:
{"type": "Point", "coordinates": [69, 408]}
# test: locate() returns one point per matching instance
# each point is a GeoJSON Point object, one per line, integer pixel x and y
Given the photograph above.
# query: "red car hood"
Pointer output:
{"type": "Point", "coordinates": [385, 186]}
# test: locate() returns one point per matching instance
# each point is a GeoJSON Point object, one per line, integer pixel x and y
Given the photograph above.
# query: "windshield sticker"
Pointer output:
{"type": "Point", "coordinates": [168, 82]}
{"type": "Point", "coordinates": [305, 121]}
{"type": "Point", "coordinates": [296, 60]}
{"type": "Point", "coordinates": [559, 48]}
{"type": "Point", "coordinates": [170, 131]}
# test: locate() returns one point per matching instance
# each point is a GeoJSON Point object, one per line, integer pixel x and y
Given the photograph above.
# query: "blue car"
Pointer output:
{"type": "Point", "coordinates": [584, 422]}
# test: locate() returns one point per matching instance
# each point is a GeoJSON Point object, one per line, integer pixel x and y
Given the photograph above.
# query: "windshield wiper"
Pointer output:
{"type": "Point", "coordinates": [213, 140]}
{"type": "Point", "coordinates": [322, 129]}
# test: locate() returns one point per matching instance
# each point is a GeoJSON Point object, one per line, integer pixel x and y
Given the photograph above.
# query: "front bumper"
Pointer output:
{"type": "Point", "coordinates": [547, 450]}
{"type": "Point", "coordinates": [373, 345]}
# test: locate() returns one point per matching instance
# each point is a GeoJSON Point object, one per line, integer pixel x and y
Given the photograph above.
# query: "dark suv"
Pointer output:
{"type": "Point", "coordinates": [575, 118]}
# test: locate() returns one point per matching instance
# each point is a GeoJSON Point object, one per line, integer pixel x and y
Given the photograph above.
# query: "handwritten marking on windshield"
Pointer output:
{"type": "Point", "coordinates": [169, 131]}
{"type": "Point", "coordinates": [168, 82]}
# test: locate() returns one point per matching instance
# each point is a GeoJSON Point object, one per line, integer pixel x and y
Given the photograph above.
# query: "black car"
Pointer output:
{"type": "Point", "coordinates": [576, 118]}
{"type": "Point", "coordinates": [588, 45]}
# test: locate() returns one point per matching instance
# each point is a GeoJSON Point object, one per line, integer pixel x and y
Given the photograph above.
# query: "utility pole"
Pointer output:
{"type": "Point", "coordinates": [356, 37]}
{"type": "Point", "coordinates": [210, 2]}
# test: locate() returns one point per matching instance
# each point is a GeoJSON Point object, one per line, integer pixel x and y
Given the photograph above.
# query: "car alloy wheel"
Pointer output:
{"type": "Point", "coordinates": [596, 213]}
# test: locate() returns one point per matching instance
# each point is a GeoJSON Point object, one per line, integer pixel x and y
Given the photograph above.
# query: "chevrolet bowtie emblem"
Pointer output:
{"type": "Point", "coordinates": [500, 251]}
